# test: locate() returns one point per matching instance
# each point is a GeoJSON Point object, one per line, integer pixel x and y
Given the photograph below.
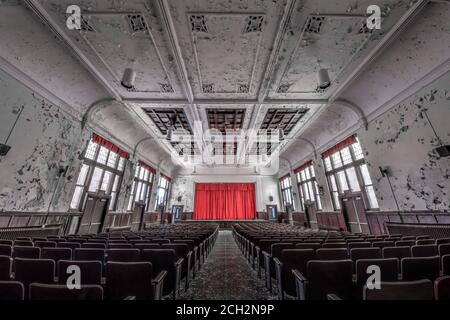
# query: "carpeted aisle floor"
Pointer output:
{"type": "Point", "coordinates": [226, 275]}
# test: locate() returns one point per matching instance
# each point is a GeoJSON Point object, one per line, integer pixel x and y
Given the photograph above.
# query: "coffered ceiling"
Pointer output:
{"type": "Point", "coordinates": [231, 64]}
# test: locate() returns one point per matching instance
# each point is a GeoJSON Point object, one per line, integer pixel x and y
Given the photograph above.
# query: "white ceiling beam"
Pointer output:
{"type": "Point", "coordinates": [226, 101]}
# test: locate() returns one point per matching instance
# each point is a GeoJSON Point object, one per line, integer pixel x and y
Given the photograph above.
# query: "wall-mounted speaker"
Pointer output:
{"type": "Point", "coordinates": [443, 151]}
{"type": "Point", "coordinates": [4, 149]}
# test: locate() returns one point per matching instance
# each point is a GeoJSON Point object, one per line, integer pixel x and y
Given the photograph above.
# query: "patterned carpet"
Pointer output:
{"type": "Point", "coordinates": [226, 275]}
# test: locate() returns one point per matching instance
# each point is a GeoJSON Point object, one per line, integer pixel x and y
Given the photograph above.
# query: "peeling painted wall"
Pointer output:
{"type": "Point", "coordinates": [43, 140]}
{"type": "Point", "coordinates": [403, 140]}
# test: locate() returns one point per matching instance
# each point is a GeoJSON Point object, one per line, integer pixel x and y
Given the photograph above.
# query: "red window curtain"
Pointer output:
{"type": "Point", "coordinates": [109, 145]}
{"type": "Point", "coordinates": [146, 166]}
{"type": "Point", "coordinates": [224, 201]}
{"type": "Point", "coordinates": [341, 145]}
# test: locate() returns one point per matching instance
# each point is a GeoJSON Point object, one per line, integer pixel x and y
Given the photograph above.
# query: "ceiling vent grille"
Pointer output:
{"type": "Point", "coordinates": [198, 23]}
{"type": "Point", "coordinates": [208, 88]}
{"type": "Point", "coordinates": [314, 24]}
{"type": "Point", "coordinates": [254, 24]}
{"type": "Point", "coordinates": [136, 23]}
{"type": "Point", "coordinates": [166, 88]}
{"type": "Point", "coordinates": [243, 88]}
{"type": "Point", "coordinates": [284, 88]}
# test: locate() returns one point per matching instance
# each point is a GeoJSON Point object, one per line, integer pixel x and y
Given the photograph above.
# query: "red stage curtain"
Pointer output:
{"type": "Point", "coordinates": [224, 201]}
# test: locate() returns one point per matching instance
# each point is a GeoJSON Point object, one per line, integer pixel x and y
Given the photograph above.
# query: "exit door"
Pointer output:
{"type": "Point", "coordinates": [354, 211]}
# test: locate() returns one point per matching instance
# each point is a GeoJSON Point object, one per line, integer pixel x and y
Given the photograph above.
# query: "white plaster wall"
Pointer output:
{"type": "Point", "coordinates": [184, 185]}
{"type": "Point", "coordinates": [403, 139]}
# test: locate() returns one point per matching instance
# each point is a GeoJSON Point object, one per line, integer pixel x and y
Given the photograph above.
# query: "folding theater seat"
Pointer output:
{"type": "Point", "coordinates": [442, 288]}
{"type": "Point", "coordinates": [23, 238]}
{"type": "Point", "coordinates": [409, 238]}
{"type": "Point", "coordinates": [402, 243]}
{"type": "Point", "coordinates": [7, 242]}
{"type": "Point", "coordinates": [135, 279]}
{"type": "Point", "coordinates": [122, 255]}
{"type": "Point", "coordinates": [417, 268]}
{"type": "Point", "coordinates": [401, 290]}
{"type": "Point", "coordinates": [70, 245]}
{"type": "Point", "coordinates": [383, 244]}
{"type": "Point", "coordinates": [5, 268]}
{"type": "Point", "coordinates": [142, 246]}
{"type": "Point", "coordinates": [29, 271]}
{"type": "Point", "coordinates": [446, 265]}
{"type": "Point", "coordinates": [91, 245]}
{"type": "Point", "coordinates": [444, 249]}
{"type": "Point", "coordinates": [290, 259]}
{"type": "Point", "coordinates": [365, 253]}
{"type": "Point", "coordinates": [334, 245]}
{"type": "Point", "coordinates": [425, 242]}
{"type": "Point", "coordinates": [165, 259]}
{"type": "Point", "coordinates": [5, 250]}
{"type": "Point", "coordinates": [361, 244]}
{"type": "Point", "coordinates": [191, 247]}
{"type": "Point", "coordinates": [274, 252]}
{"type": "Point", "coordinates": [182, 252]}
{"type": "Point", "coordinates": [26, 252]}
{"type": "Point", "coordinates": [308, 245]}
{"type": "Point", "coordinates": [323, 278]}
{"type": "Point", "coordinates": [120, 246]}
{"type": "Point", "coordinates": [442, 241]}
{"type": "Point", "coordinates": [23, 243]}
{"type": "Point", "coordinates": [331, 254]}
{"type": "Point", "coordinates": [91, 271]}
{"type": "Point", "coordinates": [388, 272]}
{"type": "Point", "coordinates": [40, 291]}
{"type": "Point", "coordinates": [56, 254]}
{"type": "Point", "coordinates": [11, 290]}
{"type": "Point", "coordinates": [88, 254]}
{"type": "Point", "coordinates": [429, 250]}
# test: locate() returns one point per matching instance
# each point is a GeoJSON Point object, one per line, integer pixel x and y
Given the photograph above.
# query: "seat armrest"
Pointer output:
{"type": "Point", "coordinates": [278, 272]}
{"type": "Point", "coordinates": [332, 296]}
{"type": "Point", "coordinates": [130, 298]}
{"type": "Point", "coordinates": [300, 284]}
{"type": "Point", "coordinates": [158, 284]}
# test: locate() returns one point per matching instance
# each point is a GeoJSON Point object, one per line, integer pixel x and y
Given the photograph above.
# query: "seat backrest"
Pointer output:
{"type": "Point", "coordinates": [361, 244]}
{"type": "Point", "coordinates": [45, 244]}
{"type": "Point", "coordinates": [397, 252]}
{"type": "Point", "coordinates": [365, 253]}
{"type": "Point", "coordinates": [122, 255]}
{"type": "Point", "coordinates": [40, 291]}
{"type": "Point", "coordinates": [297, 259]}
{"type": "Point", "coordinates": [401, 290]}
{"type": "Point", "coordinates": [388, 270]}
{"type": "Point", "coordinates": [5, 250]}
{"type": "Point", "coordinates": [428, 250]}
{"type": "Point", "coordinates": [442, 288]}
{"type": "Point", "coordinates": [23, 243]}
{"type": "Point", "coordinates": [70, 245]}
{"type": "Point", "coordinates": [142, 246]}
{"type": "Point", "coordinates": [383, 244]}
{"type": "Point", "coordinates": [444, 248]}
{"type": "Point", "coordinates": [329, 277]}
{"type": "Point", "coordinates": [277, 248]}
{"type": "Point", "coordinates": [402, 243]}
{"type": "Point", "coordinates": [442, 240]}
{"type": "Point", "coordinates": [125, 279]}
{"type": "Point", "coordinates": [417, 268]}
{"type": "Point", "coordinates": [88, 254]}
{"type": "Point", "coordinates": [26, 252]}
{"type": "Point", "coordinates": [5, 268]}
{"type": "Point", "coordinates": [446, 265]}
{"type": "Point", "coordinates": [190, 243]}
{"type": "Point", "coordinates": [11, 290]}
{"type": "Point", "coordinates": [34, 270]}
{"type": "Point", "coordinates": [90, 271]}
{"type": "Point", "coordinates": [331, 254]}
{"type": "Point", "coordinates": [310, 245]}
{"type": "Point", "coordinates": [56, 254]}
{"type": "Point", "coordinates": [92, 245]}
{"type": "Point", "coordinates": [425, 241]}
{"type": "Point", "coordinates": [162, 259]}
{"type": "Point", "coordinates": [181, 249]}
{"type": "Point", "coordinates": [7, 242]}
{"type": "Point", "coordinates": [409, 238]}
{"type": "Point", "coordinates": [120, 246]}
{"type": "Point", "coordinates": [334, 245]}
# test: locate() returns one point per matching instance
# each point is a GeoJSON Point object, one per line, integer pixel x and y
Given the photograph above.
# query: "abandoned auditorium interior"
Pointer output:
{"type": "Point", "coordinates": [258, 150]}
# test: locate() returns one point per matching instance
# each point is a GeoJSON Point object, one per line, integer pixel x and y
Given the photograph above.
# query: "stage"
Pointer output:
{"type": "Point", "coordinates": [223, 224]}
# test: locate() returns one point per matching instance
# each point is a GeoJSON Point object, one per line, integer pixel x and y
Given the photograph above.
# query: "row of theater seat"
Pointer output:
{"type": "Point", "coordinates": [148, 270]}
{"type": "Point", "coordinates": [313, 269]}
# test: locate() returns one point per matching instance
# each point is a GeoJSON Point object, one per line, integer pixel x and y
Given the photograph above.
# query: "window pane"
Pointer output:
{"type": "Point", "coordinates": [116, 184]}
{"type": "Point", "coordinates": [306, 192]}
{"type": "Point", "coordinates": [141, 174]}
{"type": "Point", "coordinates": [102, 155]}
{"type": "Point", "coordinates": [311, 168]}
{"type": "Point", "coordinates": [303, 176]}
{"type": "Point", "coordinates": [113, 201]}
{"type": "Point", "coordinates": [311, 192]}
{"type": "Point", "coordinates": [130, 203]}
{"type": "Point", "coordinates": [365, 174]}
{"type": "Point", "coordinates": [143, 192]}
{"type": "Point", "coordinates": [373, 203]}
{"type": "Point", "coordinates": [121, 164]}
{"type": "Point", "coordinates": [357, 150]}
{"type": "Point", "coordinates": [333, 183]}
{"type": "Point", "coordinates": [112, 160]}
{"type": "Point", "coordinates": [138, 190]}
{"type": "Point", "coordinates": [146, 172]}
{"type": "Point", "coordinates": [342, 180]}
{"type": "Point", "coordinates": [91, 149]}
{"type": "Point", "coordinates": [307, 174]}
{"type": "Point", "coordinates": [95, 181]}
{"type": "Point", "coordinates": [336, 160]}
{"type": "Point", "coordinates": [298, 177]}
{"type": "Point", "coordinates": [76, 198]}
{"type": "Point", "coordinates": [327, 162]}
{"type": "Point", "coordinates": [346, 156]}
{"type": "Point", "coordinates": [337, 205]}
{"type": "Point", "coordinates": [106, 178]}
{"type": "Point", "coordinates": [353, 180]}
{"type": "Point", "coordinates": [83, 174]}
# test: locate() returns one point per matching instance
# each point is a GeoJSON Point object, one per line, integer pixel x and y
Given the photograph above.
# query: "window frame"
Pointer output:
{"type": "Point", "coordinates": [286, 191]}
{"type": "Point", "coordinates": [148, 184]}
{"type": "Point", "coordinates": [303, 184]}
{"type": "Point", "coordinates": [166, 192]}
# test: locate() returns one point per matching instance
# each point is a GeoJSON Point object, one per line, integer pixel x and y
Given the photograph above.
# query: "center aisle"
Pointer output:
{"type": "Point", "coordinates": [226, 275]}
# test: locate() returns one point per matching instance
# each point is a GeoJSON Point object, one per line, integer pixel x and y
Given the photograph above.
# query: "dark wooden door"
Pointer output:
{"type": "Point", "coordinates": [94, 214]}
{"type": "Point", "coordinates": [353, 209]}
{"type": "Point", "coordinates": [138, 216]}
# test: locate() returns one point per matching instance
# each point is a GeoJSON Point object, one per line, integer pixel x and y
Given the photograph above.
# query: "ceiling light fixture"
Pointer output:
{"type": "Point", "coordinates": [129, 78]}
{"type": "Point", "coordinates": [323, 77]}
